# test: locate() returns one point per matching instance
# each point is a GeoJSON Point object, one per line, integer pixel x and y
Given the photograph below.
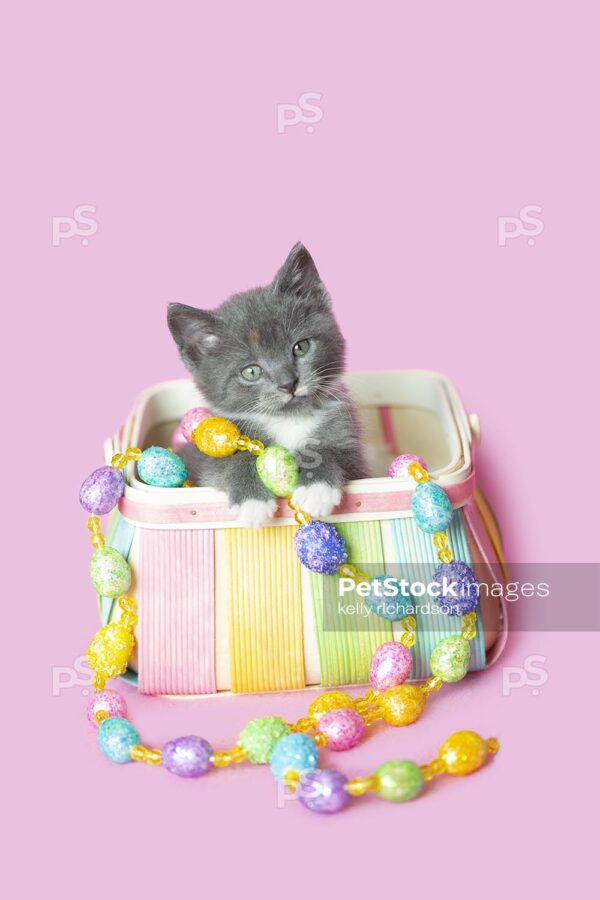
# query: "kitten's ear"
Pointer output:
{"type": "Point", "coordinates": [298, 275]}
{"type": "Point", "coordinates": [195, 331]}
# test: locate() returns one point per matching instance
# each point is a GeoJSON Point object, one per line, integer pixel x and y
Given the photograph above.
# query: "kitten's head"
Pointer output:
{"type": "Point", "coordinates": [269, 350]}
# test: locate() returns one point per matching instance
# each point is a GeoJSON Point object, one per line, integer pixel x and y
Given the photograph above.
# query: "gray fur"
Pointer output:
{"type": "Point", "coordinates": [260, 327]}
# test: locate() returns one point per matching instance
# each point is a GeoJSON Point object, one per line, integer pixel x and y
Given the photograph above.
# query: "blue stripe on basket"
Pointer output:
{"type": "Point", "coordinates": [415, 556]}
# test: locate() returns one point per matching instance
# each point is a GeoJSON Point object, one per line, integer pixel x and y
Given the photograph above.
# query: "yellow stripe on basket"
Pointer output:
{"type": "Point", "coordinates": [265, 610]}
{"type": "Point", "coordinates": [347, 639]}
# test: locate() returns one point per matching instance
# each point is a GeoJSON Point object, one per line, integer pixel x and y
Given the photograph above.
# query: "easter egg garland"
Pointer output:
{"type": "Point", "coordinates": [336, 719]}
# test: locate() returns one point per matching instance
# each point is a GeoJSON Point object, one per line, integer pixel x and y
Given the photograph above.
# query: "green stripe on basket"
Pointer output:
{"type": "Point", "coordinates": [346, 643]}
{"type": "Point", "coordinates": [412, 554]}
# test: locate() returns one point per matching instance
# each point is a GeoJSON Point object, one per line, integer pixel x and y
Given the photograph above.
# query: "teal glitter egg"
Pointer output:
{"type": "Point", "coordinates": [431, 507]}
{"type": "Point", "coordinates": [278, 470]}
{"type": "Point", "coordinates": [450, 658]}
{"type": "Point", "coordinates": [399, 780]}
{"type": "Point", "coordinates": [116, 737]}
{"type": "Point", "coordinates": [295, 752]}
{"type": "Point", "coordinates": [110, 572]}
{"type": "Point", "coordinates": [388, 599]}
{"type": "Point", "coordinates": [161, 468]}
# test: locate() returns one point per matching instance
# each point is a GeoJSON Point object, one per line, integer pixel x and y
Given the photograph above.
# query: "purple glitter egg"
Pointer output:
{"type": "Point", "coordinates": [399, 467]}
{"type": "Point", "coordinates": [187, 756]}
{"type": "Point", "coordinates": [101, 491]}
{"type": "Point", "coordinates": [458, 588]}
{"type": "Point", "coordinates": [106, 701]}
{"type": "Point", "coordinates": [343, 728]}
{"type": "Point", "coordinates": [192, 419]}
{"type": "Point", "coordinates": [323, 791]}
{"type": "Point", "coordinates": [320, 548]}
{"type": "Point", "coordinates": [390, 666]}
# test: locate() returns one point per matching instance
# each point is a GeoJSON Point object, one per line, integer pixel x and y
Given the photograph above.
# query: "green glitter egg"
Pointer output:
{"type": "Point", "coordinates": [260, 736]}
{"type": "Point", "coordinates": [278, 470]}
{"type": "Point", "coordinates": [450, 658]}
{"type": "Point", "coordinates": [110, 573]}
{"type": "Point", "coordinates": [399, 780]}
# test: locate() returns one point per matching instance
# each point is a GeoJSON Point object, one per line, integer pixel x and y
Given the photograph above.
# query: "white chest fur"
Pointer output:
{"type": "Point", "coordinates": [293, 432]}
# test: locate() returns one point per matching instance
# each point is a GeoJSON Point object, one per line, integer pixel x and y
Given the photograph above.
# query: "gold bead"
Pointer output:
{"type": "Point", "coordinates": [150, 755]}
{"type": "Point", "coordinates": [94, 524]}
{"type": "Point", "coordinates": [432, 769]}
{"type": "Point", "coordinates": [330, 700]}
{"type": "Point", "coordinates": [403, 704]}
{"type": "Point", "coordinates": [464, 752]}
{"type": "Point", "coordinates": [417, 472]}
{"type": "Point", "coordinates": [320, 739]}
{"type": "Point", "coordinates": [440, 540]}
{"type": "Point", "coordinates": [432, 684]}
{"type": "Point", "coordinates": [238, 754]}
{"type": "Point", "coordinates": [133, 454]}
{"type": "Point", "coordinates": [304, 725]}
{"type": "Point", "coordinates": [221, 759]}
{"type": "Point", "coordinates": [358, 786]}
{"type": "Point", "coordinates": [445, 555]}
{"type": "Point", "coordinates": [118, 461]}
{"type": "Point", "coordinates": [493, 745]}
{"type": "Point", "coordinates": [97, 541]}
{"type": "Point", "coordinates": [216, 437]}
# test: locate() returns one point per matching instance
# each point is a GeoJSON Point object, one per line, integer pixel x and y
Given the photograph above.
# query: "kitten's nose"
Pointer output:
{"type": "Point", "coordinates": [290, 386]}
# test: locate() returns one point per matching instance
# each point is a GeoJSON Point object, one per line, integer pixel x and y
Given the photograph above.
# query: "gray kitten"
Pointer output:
{"type": "Point", "coordinates": [271, 360]}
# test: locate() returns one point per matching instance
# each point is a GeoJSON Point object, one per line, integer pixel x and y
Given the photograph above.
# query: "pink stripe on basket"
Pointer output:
{"type": "Point", "coordinates": [200, 512]}
{"type": "Point", "coordinates": [176, 612]}
{"type": "Point", "coordinates": [389, 432]}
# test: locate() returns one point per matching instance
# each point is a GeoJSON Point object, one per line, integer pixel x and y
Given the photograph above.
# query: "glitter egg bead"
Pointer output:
{"type": "Point", "coordinates": [109, 702]}
{"type": "Point", "coordinates": [399, 467]}
{"type": "Point", "coordinates": [110, 572]}
{"type": "Point", "coordinates": [399, 780]}
{"type": "Point", "coordinates": [431, 507]}
{"type": "Point", "coordinates": [464, 752]}
{"type": "Point", "coordinates": [102, 490]}
{"type": "Point", "coordinates": [458, 588]}
{"type": "Point", "coordinates": [402, 705]}
{"type": "Point", "coordinates": [178, 439]}
{"type": "Point", "coordinates": [320, 548]}
{"type": "Point", "coordinates": [192, 419]}
{"type": "Point", "coordinates": [323, 791]}
{"type": "Point", "coordinates": [110, 649]}
{"type": "Point", "coordinates": [389, 599]}
{"type": "Point", "coordinates": [278, 470]}
{"type": "Point", "coordinates": [216, 437]}
{"type": "Point", "coordinates": [260, 736]}
{"type": "Point", "coordinates": [328, 701]}
{"type": "Point", "coordinates": [161, 468]}
{"type": "Point", "coordinates": [295, 752]}
{"type": "Point", "coordinates": [450, 658]}
{"type": "Point", "coordinates": [343, 728]}
{"type": "Point", "coordinates": [116, 737]}
{"type": "Point", "coordinates": [187, 757]}
{"type": "Point", "coordinates": [390, 666]}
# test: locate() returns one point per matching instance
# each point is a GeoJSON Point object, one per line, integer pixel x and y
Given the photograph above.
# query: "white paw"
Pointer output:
{"type": "Point", "coordinates": [318, 499]}
{"type": "Point", "coordinates": [254, 513]}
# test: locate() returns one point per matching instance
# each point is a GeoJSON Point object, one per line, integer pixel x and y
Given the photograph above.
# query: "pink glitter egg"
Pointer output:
{"type": "Point", "coordinates": [390, 666]}
{"type": "Point", "coordinates": [178, 438]}
{"type": "Point", "coordinates": [399, 467]}
{"type": "Point", "coordinates": [192, 419]}
{"type": "Point", "coordinates": [343, 728]}
{"type": "Point", "coordinates": [106, 701]}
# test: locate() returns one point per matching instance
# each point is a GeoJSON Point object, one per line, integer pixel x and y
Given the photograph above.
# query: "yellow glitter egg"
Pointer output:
{"type": "Point", "coordinates": [402, 704]}
{"type": "Point", "coordinates": [326, 702]}
{"type": "Point", "coordinates": [216, 437]}
{"type": "Point", "coordinates": [464, 752]}
{"type": "Point", "coordinates": [110, 650]}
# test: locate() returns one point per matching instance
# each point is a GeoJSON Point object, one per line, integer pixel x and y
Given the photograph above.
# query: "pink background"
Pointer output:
{"type": "Point", "coordinates": [437, 119]}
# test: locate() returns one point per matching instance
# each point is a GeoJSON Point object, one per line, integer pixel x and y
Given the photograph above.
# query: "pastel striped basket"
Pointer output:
{"type": "Point", "coordinates": [223, 608]}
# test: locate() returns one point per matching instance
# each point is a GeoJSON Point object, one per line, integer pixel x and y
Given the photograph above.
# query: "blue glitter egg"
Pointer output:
{"type": "Point", "coordinates": [294, 752]}
{"type": "Point", "coordinates": [458, 586]}
{"type": "Point", "coordinates": [383, 602]}
{"type": "Point", "coordinates": [431, 507]}
{"type": "Point", "coordinates": [116, 737]}
{"type": "Point", "coordinates": [161, 468]}
{"type": "Point", "coordinates": [320, 548]}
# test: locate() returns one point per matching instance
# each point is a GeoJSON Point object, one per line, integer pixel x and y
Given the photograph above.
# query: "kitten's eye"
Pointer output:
{"type": "Point", "coordinates": [301, 348]}
{"type": "Point", "coordinates": [251, 373]}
